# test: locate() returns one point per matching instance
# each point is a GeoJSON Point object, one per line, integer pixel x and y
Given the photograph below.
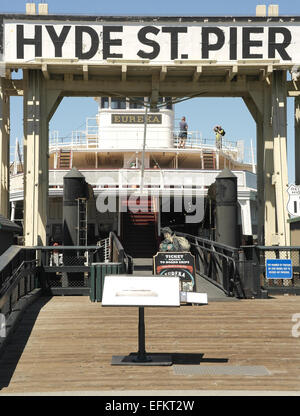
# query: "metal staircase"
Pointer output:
{"type": "Point", "coordinates": [139, 235]}
{"type": "Point", "coordinates": [209, 160]}
{"type": "Point", "coordinates": [65, 159]}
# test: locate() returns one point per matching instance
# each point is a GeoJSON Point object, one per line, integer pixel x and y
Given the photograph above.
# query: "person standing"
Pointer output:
{"type": "Point", "coordinates": [219, 134]}
{"type": "Point", "coordinates": [183, 127]}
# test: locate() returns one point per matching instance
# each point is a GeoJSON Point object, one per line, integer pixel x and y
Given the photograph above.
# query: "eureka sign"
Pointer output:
{"type": "Point", "coordinates": [26, 40]}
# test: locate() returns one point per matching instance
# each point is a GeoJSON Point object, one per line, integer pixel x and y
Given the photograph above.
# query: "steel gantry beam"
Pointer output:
{"type": "Point", "coordinates": [39, 106]}
{"type": "Point", "coordinates": [4, 149]}
{"type": "Point", "coordinates": [263, 89]}
{"type": "Point", "coordinates": [268, 108]}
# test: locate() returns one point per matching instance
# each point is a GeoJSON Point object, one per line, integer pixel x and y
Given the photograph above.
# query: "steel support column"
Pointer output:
{"type": "Point", "coordinates": [268, 107]}
{"type": "Point", "coordinates": [39, 105]}
{"type": "Point", "coordinates": [260, 200]}
{"type": "Point", "coordinates": [4, 150]}
{"type": "Point", "coordinates": [297, 140]}
{"type": "Point", "coordinates": [280, 178]}
{"type": "Point", "coordinates": [267, 170]}
{"type": "Point", "coordinates": [255, 104]}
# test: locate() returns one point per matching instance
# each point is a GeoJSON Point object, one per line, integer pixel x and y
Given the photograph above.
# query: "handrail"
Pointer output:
{"type": "Point", "coordinates": [17, 276]}
{"type": "Point", "coordinates": [12, 258]}
{"type": "Point", "coordinates": [85, 253]}
{"type": "Point", "coordinates": [217, 263]}
{"type": "Point", "coordinates": [122, 256]}
{"type": "Point", "coordinates": [9, 285]}
{"type": "Point", "coordinates": [209, 242]}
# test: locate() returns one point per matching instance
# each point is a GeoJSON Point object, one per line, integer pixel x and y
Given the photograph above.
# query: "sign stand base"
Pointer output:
{"type": "Point", "coordinates": [131, 359]}
{"type": "Point", "coordinates": [141, 357]}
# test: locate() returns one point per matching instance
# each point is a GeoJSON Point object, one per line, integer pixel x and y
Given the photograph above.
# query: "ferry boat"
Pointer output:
{"type": "Point", "coordinates": [140, 178]}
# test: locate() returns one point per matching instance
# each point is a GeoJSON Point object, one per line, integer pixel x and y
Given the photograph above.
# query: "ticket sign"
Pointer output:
{"type": "Point", "coordinates": [279, 269]}
{"type": "Point", "coordinates": [176, 264]}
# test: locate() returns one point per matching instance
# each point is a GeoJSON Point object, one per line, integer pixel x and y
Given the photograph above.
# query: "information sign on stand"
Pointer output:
{"type": "Point", "coordinates": [176, 264]}
{"type": "Point", "coordinates": [141, 291]}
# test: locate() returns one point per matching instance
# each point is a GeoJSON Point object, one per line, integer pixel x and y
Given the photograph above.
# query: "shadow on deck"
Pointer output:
{"type": "Point", "coordinates": [18, 339]}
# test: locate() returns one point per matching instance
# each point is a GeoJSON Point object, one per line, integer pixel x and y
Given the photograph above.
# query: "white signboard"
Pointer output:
{"type": "Point", "coordinates": [225, 42]}
{"type": "Point", "coordinates": [193, 297]}
{"type": "Point", "coordinates": [293, 205]}
{"type": "Point", "coordinates": [126, 290]}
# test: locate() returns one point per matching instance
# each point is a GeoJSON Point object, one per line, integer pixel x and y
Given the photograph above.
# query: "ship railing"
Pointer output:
{"type": "Point", "coordinates": [196, 140]}
{"type": "Point", "coordinates": [160, 179]}
{"type": "Point", "coordinates": [122, 138]}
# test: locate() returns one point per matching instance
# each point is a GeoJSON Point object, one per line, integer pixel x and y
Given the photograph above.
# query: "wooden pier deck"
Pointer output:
{"type": "Point", "coordinates": [66, 344]}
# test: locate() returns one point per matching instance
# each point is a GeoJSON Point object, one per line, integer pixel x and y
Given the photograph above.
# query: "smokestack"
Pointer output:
{"type": "Point", "coordinates": [30, 8]}
{"type": "Point", "coordinates": [273, 10]}
{"type": "Point", "coordinates": [261, 10]}
{"type": "Point", "coordinates": [75, 187]}
{"type": "Point", "coordinates": [43, 8]}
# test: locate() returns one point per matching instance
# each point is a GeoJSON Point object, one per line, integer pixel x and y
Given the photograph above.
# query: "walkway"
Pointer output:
{"type": "Point", "coordinates": [65, 344]}
{"type": "Point", "coordinates": [144, 267]}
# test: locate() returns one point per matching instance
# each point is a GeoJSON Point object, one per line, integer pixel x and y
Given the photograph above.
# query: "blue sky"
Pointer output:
{"type": "Point", "coordinates": [203, 113]}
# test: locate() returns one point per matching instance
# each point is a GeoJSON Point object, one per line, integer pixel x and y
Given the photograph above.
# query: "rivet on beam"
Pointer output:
{"type": "Point", "coordinates": [155, 89]}
{"type": "Point", "coordinates": [45, 71]}
{"type": "Point", "coordinates": [85, 70]}
{"type": "Point", "coordinates": [163, 73]}
{"type": "Point", "coordinates": [197, 73]}
{"type": "Point", "coordinates": [265, 74]}
{"type": "Point", "coordinates": [124, 72]}
{"type": "Point", "coordinates": [232, 72]}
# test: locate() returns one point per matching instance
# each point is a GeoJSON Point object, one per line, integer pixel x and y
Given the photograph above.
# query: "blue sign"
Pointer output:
{"type": "Point", "coordinates": [279, 269]}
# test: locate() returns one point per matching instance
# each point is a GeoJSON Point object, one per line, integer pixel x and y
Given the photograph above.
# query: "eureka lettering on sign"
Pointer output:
{"type": "Point", "coordinates": [135, 119]}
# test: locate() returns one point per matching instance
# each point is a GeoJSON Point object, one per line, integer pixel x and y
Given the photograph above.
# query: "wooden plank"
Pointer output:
{"type": "Point", "coordinates": [67, 343]}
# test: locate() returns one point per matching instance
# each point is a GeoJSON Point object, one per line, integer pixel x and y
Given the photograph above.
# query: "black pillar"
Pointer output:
{"type": "Point", "coordinates": [75, 187]}
{"type": "Point", "coordinates": [226, 209]}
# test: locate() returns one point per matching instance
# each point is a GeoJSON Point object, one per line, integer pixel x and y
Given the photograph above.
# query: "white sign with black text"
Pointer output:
{"type": "Point", "coordinates": [27, 41]}
{"type": "Point", "coordinates": [127, 290]}
{"type": "Point", "coordinates": [293, 205]}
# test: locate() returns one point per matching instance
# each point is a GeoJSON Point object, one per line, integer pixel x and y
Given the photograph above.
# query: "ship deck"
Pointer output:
{"type": "Point", "coordinates": [65, 345]}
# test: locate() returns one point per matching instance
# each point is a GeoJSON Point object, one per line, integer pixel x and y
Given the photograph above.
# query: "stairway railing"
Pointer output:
{"type": "Point", "coordinates": [18, 276]}
{"type": "Point", "coordinates": [217, 263]}
{"type": "Point", "coordinates": [118, 253]}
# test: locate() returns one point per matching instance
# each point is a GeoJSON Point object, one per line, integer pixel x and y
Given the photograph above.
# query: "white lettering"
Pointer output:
{"type": "Point", "coordinates": [2, 326]}
{"type": "Point", "coordinates": [296, 327]}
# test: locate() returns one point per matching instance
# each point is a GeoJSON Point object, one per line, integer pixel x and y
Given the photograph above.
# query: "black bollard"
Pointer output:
{"type": "Point", "coordinates": [226, 209]}
{"type": "Point", "coordinates": [75, 187]}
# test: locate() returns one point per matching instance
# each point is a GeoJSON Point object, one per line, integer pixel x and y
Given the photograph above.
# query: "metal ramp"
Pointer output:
{"type": "Point", "coordinates": [144, 267]}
